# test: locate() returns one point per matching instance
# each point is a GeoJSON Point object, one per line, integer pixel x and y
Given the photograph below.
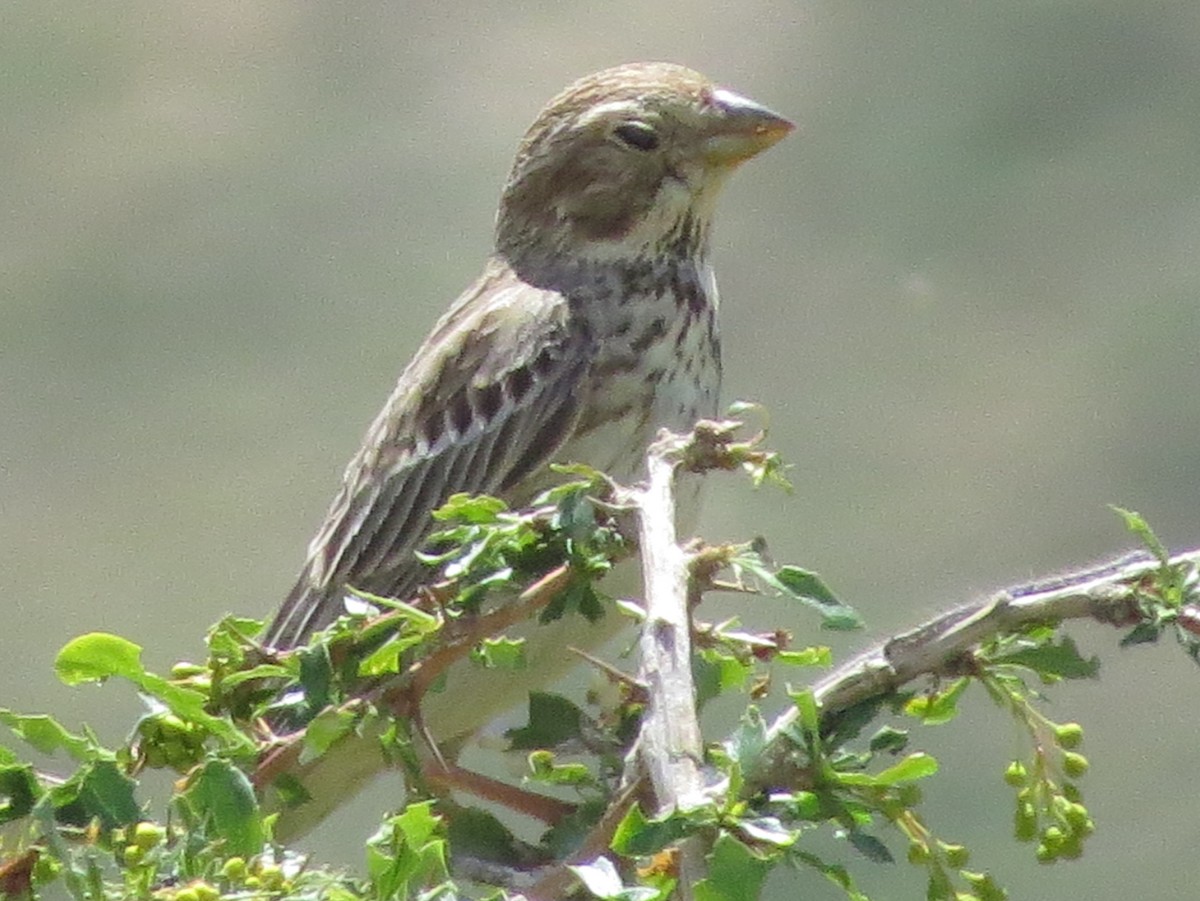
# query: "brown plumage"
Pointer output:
{"type": "Point", "coordinates": [592, 326]}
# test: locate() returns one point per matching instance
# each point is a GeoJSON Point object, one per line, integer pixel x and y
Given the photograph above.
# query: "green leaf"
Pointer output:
{"type": "Point", "coordinates": [1142, 633]}
{"type": "Point", "coordinates": [327, 727]}
{"type": "Point", "coordinates": [97, 791]}
{"type": "Point", "coordinates": [392, 863]}
{"type": "Point", "coordinates": [229, 637]}
{"type": "Point", "coordinates": [291, 791]}
{"type": "Point", "coordinates": [1061, 660]}
{"type": "Point", "coordinates": [96, 656]}
{"type": "Point", "coordinates": [386, 659]}
{"type": "Point", "coordinates": [817, 655]}
{"type": "Point", "coordinates": [940, 707]}
{"type": "Point", "coordinates": [716, 672]}
{"type": "Point", "coordinates": [735, 872]}
{"type": "Point", "coordinates": [809, 714]}
{"type": "Point", "coordinates": [1139, 527]}
{"type": "Point", "coordinates": [316, 676]}
{"type": "Point", "coordinates": [636, 835]}
{"type": "Point", "coordinates": [477, 509]}
{"type": "Point", "coordinates": [500, 653]}
{"type": "Point", "coordinates": [746, 745]}
{"type": "Point", "coordinates": [552, 720]}
{"type": "Point", "coordinates": [804, 586]}
{"type": "Point", "coordinates": [576, 515]}
{"type": "Point", "coordinates": [870, 847]}
{"type": "Point", "coordinates": [262, 671]}
{"type": "Point", "coordinates": [419, 824]}
{"type": "Point", "coordinates": [477, 833]}
{"type": "Point", "coordinates": [19, 791]}
{"type": "Point", "coordinates": [222, 796]}
{"type": "Point", "coordinates": [47, 735]}
{"type": "Point", "coordinates": [579, 596]}
{"type": "Point", "coordinates": [835, 873]}
{"type": "Point", "coordinates": [915, 766]}
{"type": "Point", "coordinates": [889, 739]}
{"type": "Point", "coordinates": [843, 727]}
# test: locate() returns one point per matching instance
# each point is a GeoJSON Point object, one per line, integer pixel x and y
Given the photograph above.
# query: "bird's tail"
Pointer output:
{"type": "Point", "coordinates": [306, 609]}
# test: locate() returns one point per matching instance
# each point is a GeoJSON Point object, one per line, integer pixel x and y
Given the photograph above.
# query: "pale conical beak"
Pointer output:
{"type": "Point", "coordinates": [741, 129]}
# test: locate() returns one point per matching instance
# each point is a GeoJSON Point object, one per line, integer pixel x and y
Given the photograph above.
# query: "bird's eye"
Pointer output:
{"type": "Point", "coordinates": [637, 135]}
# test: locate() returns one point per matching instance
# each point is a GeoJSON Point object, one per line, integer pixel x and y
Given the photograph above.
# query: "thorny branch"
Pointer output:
{"type": "Point", "coordinates": [943, 645]}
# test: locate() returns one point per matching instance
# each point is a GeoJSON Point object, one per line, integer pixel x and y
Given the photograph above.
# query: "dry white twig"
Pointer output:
{"type": "Point", "coordinates": [1106, 593]}
{"type": "Point", "coordinates": [669, 744]}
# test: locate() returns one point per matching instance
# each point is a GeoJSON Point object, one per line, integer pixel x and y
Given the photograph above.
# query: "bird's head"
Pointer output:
{"type": "Point", "coordinates": [628, 162]}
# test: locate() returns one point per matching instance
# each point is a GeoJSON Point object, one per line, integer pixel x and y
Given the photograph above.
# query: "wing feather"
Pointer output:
{"type": "Point", "coordinates": [492, 394]}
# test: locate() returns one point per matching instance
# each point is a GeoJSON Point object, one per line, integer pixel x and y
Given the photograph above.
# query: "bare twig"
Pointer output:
{"type": "Point", "coordinates": [669, 746]}
{"type": "Point", "coordinates": [556, 880]}
{"type": "Point", "coordinates": [1107, 593]}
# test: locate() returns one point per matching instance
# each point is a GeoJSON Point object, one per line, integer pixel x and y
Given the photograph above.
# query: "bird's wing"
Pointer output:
{"type": "Point", "coordinates": [491, 395]}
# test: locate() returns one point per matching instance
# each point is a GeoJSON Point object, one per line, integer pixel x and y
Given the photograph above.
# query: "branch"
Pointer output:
{"type": "Point", "coordinates": [669, 745]}
{"type": "Point", "coordinates": [343, 769]}
{"type": "Point", "coordinates": [944, 644]}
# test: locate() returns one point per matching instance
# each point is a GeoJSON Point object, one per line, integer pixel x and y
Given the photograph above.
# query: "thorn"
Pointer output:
{"type": "Point", "coordinates": [638, 690]}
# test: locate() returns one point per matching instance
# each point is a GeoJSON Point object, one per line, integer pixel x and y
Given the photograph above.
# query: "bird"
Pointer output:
{"type": "Point", "coordinates": [593, 325]}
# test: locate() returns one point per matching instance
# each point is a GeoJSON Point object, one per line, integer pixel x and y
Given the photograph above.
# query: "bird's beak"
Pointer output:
{"type": "Point", "coordinates": [741, 129]}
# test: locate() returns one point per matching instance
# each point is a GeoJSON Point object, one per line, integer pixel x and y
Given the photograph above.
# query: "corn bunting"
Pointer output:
{"type": "Point", "coordinates": [592, 326]}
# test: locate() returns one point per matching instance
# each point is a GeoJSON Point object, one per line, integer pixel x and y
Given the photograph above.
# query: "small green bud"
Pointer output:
{"type": "Point", "coordinates": [956, 855]}
{"type": "Point", "coordinates": [1045, 854]}
{"type": "Point", "coordinates": [234, 869]}
{"type": "Point", "coordinates": [918, 852]}
{"type": "Point", "coordinates": [1053, 837]}
{"type": "Point", "coordinates": [988, 890]}
{"type": "Point", "coordinates": [1015, 774]}
{"type": "Point", "coordinates": [1026, 823]}
{"type": "Point", "coordinates": [148, 835]}
{"type": "Point", "coordinates": [204, 891]}
{"type": "Point", "coordinates": [983, 885]}
{"type": "Point", "coordinates": [133, 855]}
{"type": "Point", "coordinates": [1076, 815]}
{"type": "Point", "coordinates": [1074, 765]}
{"type": "Point", "coordinates": [271, 877]}
{"type": "Point", "coordinates": [1069, 736]}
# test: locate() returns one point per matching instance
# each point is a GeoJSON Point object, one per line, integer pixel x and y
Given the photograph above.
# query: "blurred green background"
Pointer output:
{"type": "Point", "coordinates": [968, 290]}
